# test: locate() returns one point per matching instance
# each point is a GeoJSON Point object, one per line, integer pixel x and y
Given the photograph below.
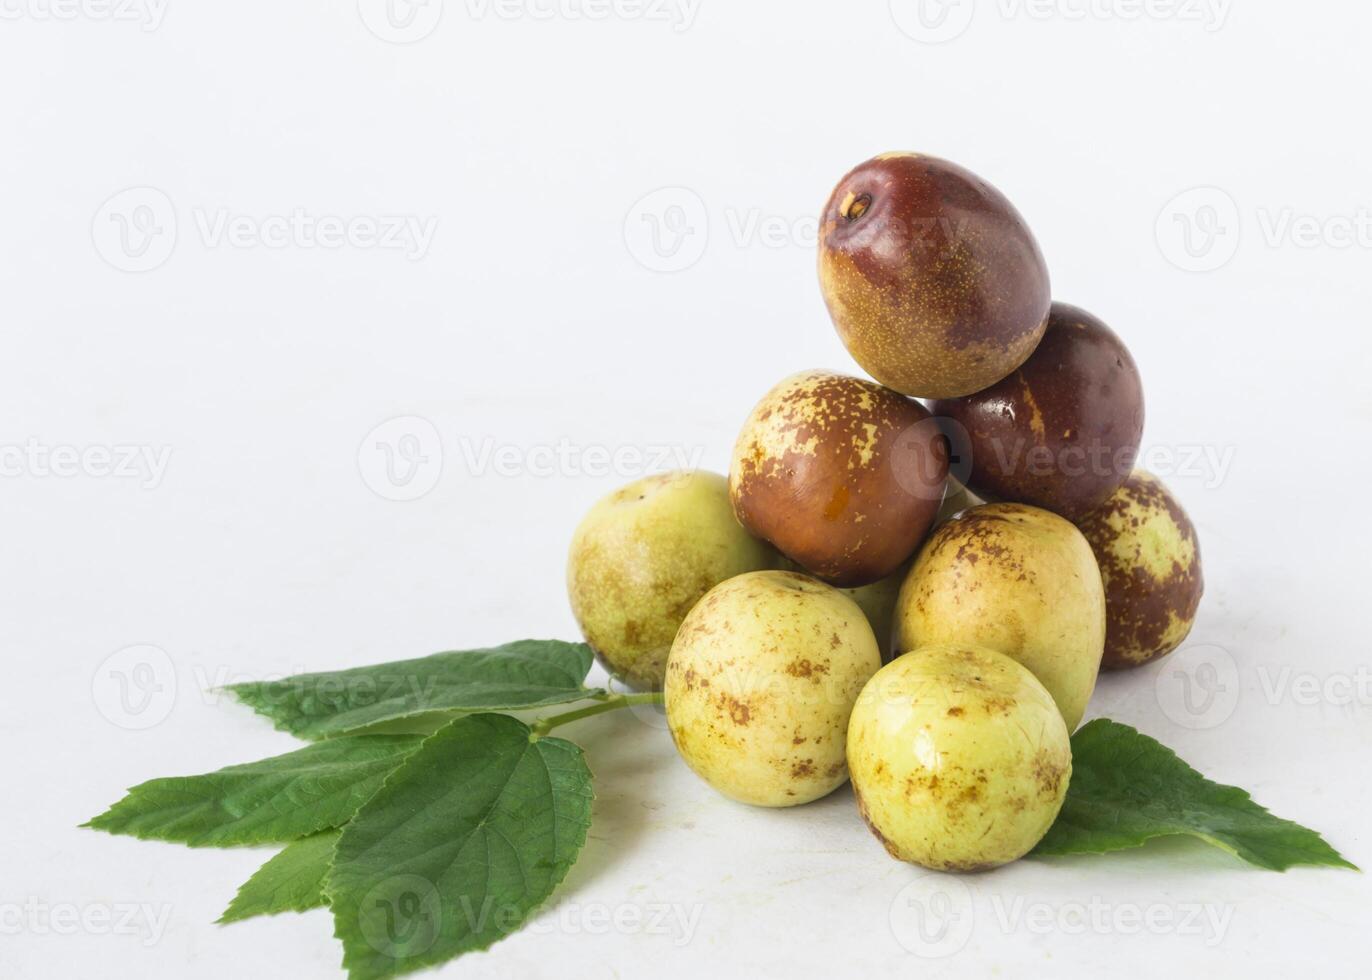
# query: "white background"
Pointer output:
{"type": "Point", "coordinates": [534, 319]}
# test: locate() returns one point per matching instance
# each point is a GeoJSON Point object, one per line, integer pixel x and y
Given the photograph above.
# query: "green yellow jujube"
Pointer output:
{"type": "Point", "coordinates": [1016, 579]}
{"type": "Point", "coordinates": [760, 683]}
{"type": "Point", "coordinates": [643, 556]}
{"type": "Point", "coordinates": [959, 757]}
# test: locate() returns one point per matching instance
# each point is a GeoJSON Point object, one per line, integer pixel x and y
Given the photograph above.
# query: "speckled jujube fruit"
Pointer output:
{"type": "Point", "coordinates": [1150, 565]}
{"type": "Point", "coordinates": [842, 475]}
{"type": "Point", "coordinates": [1020, 581]}
{"type": "Point", "coordinates": [960, 760]}
{"type": "Point", "coordinates": [1063, 430]}
{"type": "Point", "coordinates": [933, 280]}
{"type": "Point", "coordinates": [643, 556]}
{"type": "Point", "coordinates": [760, 683]}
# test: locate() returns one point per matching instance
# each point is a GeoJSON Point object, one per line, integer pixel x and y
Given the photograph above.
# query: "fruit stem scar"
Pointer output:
{"type": "Point", "coordinates": [855, 206]}
{"type": "Point", "coordinates": [611, 703]}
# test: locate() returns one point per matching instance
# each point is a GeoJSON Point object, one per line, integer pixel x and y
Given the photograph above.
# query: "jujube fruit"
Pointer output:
{"type": "Point", "coordinates": [761, 680]}
{"type": "Point", "coordinates": [842, 475]}
{"type": "Point", "coordinates": [960, 760]}
{"type": "Point", "coordinates": [1016, 579]}
{"type": "Point", "coordinates": [1150, 565]}
{"type": "Point", "coordinates": [643, 556]}
{"type": "Point", "coordinates": [1063, 430]}
{"type": "Point", "coordinates": [933, 280]}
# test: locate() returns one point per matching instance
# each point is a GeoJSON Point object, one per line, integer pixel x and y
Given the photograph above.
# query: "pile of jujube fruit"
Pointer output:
{"type": "Point", "coordinates": [911, 581]}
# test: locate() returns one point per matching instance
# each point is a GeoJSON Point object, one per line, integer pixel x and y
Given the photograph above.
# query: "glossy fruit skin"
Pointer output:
{"type": "Point", "coordinates": [761, 680]}
{"type": "Point", "coordinates": [1020, 581]}
{"type": "Point", "coordinates": [1150, 565]}
{"type": "Point", "coordinates": [937, 288]}
{"type": "Point", "coordinates": [960, 760]}
{"type": "Point", "coordinates": [842, 475]}
{"type": "Point", "coordinates": [643, 556]}
{"type": "Point", "coordinates": [1063, 430]}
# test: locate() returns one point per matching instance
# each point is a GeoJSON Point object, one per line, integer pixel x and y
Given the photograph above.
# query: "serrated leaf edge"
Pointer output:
{"type": "Point", "coordinates": [93, 822]}
{"type": "Point", "coordinates": [1120, 729]}
{"type": "Point", "coordinates": [559, 874]}
{"type": "Point", "coordinates": [224, 919]}
{"type": "Point", "coordinates": [246, 693]}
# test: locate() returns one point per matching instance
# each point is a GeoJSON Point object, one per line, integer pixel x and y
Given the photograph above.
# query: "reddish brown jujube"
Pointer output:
{"type": "Point", "coordinates": [842, 475]}
{"type": "Point", "coordinates": [1063, 430]}
{"type": "Point", "coordinates": [933, 280]}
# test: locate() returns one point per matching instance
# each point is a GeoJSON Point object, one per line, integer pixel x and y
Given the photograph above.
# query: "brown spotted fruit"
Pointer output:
{"type": "Point", "coordinates": [1150, 565]}
{"type": "Point", "coordinates": [1063, 430]}
{"type": "Point", "coordinates": [959, 758]}
{"type": "Point", "coordinates": [842, 475]}
{"type": "Point", "coordinates": [761, 680]}
{"type": "Point", "coordinates": [643, 556]}
{"type": "Point", "coordinates": [1020, 581]}
{"type": "Point", "coordinates": [932, 278]}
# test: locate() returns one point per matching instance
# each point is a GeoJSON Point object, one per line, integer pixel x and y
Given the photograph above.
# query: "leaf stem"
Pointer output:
{"type": "Point", "coordinates": [544, 725]}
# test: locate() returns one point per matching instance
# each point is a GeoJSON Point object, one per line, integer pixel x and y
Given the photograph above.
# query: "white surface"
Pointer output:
{"type": "Point", "coordinates": [530, 322]}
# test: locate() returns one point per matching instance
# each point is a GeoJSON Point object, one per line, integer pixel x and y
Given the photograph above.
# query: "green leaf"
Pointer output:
{"type": "Point", "coordinates": [461, 844]}
{"type": "Point", "coordinates": [293, 881]}
{"type": "Point", "coordinates": [523, 674]}
{"type": "Point", "coordinates": [1127, 788]}
{"type": "Point", "coordinates": [272, 801]}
